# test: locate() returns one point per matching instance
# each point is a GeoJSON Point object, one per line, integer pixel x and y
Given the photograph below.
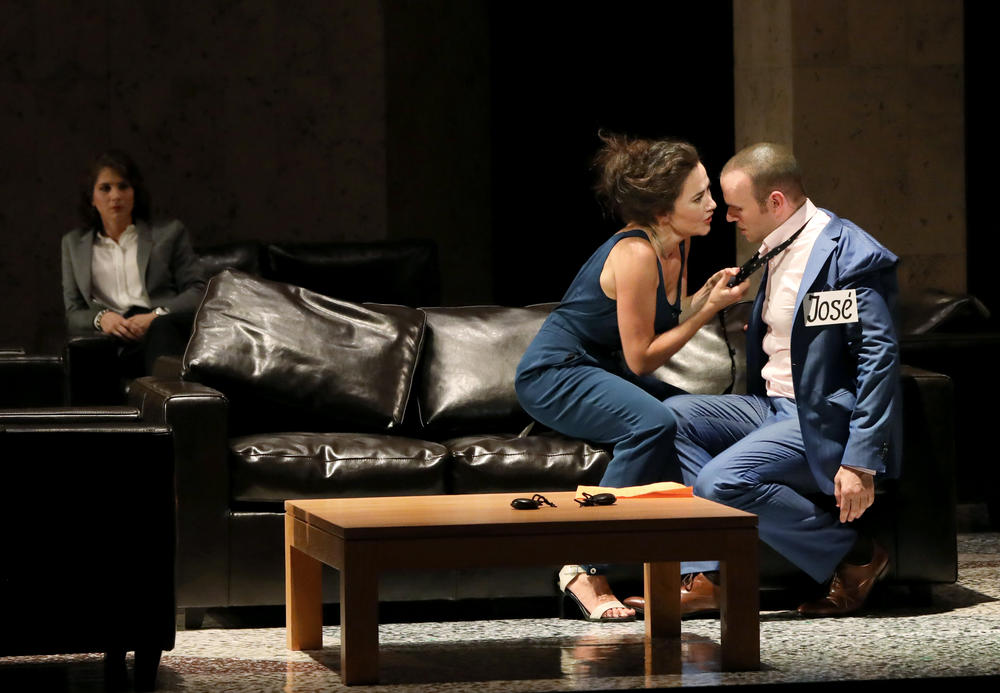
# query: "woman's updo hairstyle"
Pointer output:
{"type": "Point", "coordinates": [639, 179]}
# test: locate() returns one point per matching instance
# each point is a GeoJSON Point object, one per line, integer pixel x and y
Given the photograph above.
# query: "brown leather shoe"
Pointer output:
{"type": "Point", "coordinates": [850, 587]}
{"type": "Point", "coordinates": [698, 595]}
{"type": "Point", "coordinates": [637, 604]}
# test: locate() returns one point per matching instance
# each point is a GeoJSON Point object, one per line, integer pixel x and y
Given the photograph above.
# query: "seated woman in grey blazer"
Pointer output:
{"type": "Point", "coordinates": [124, 275]}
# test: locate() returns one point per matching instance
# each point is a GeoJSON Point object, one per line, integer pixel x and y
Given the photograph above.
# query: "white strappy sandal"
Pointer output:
{"type": "Point", "coordinates": [566, 576]}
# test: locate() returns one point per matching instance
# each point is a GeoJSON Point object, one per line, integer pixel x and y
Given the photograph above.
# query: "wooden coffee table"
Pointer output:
{"type": "Point", "coordinates": [362, 537]}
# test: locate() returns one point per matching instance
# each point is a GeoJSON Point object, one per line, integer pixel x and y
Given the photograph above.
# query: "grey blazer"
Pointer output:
{"type": "Point", "coordinates": [167, 263]}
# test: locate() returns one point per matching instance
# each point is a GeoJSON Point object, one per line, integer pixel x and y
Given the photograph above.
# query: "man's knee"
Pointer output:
{"type": "Point", "coordinates": [727, 489]}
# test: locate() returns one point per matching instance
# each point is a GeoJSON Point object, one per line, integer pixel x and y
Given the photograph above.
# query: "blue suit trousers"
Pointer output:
{"type": "Point", "coordinates": [746, 452]}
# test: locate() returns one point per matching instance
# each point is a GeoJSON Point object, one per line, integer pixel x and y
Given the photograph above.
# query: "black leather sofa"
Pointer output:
{"type": "Point", "coordinates": [403, 271]}
{"type": "Point", "coordinates": [286, 393]}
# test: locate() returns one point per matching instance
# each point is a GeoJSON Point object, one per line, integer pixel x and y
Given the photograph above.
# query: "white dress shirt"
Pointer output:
{"type": "Point", "coordinates": [114, 272]}
{"type": "Point", "coordinates": [784, 277]}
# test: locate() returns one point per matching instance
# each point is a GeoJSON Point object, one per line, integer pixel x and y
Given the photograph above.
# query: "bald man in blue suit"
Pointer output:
{"type": "Point", "coordinates": [822, 413]}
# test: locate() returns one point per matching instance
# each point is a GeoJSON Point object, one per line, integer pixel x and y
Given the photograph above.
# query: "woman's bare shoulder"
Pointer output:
{"type": "Point", "coordinates": [634, 247]}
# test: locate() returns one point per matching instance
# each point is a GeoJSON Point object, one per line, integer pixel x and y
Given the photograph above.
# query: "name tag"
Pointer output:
{"type": "Point", "coordinates": [831, 308]}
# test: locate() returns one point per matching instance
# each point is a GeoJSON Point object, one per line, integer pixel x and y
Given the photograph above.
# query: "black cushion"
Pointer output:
{"type": "Point", "coordinates": [403, 272]}
{"type": "Point", "coordinates": [466, 373]}
{"type": "Point", "coordinates": [532, 463]}
{"type": "Point", "coordinates": [932, 310]}
{"type": "Point", "coordinates": [269, 468]}
{"type": "Point", "coordinates": [291, 359]}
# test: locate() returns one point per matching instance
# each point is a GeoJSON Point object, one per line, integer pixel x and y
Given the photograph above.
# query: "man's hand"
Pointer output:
{"type": "Point", "coordinates": [854, 491]}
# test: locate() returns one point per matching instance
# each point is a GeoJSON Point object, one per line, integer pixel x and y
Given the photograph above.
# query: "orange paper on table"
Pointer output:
{"type": "Point", "coordinates": [662, 489]}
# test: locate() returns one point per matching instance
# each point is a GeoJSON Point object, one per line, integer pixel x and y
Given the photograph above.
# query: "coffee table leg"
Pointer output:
{"type": "Point", "coordinates": [663, 601]}
{"type": "Point", "coordinates": [740, 605]}
{"type": "Point", "coordinates": [358, 617]}
{"type": "Point", "coordinates": [303, 595]}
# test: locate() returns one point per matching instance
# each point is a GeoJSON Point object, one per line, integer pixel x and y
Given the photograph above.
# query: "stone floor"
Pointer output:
{"type": "Point", "coordinates": [954, 641]}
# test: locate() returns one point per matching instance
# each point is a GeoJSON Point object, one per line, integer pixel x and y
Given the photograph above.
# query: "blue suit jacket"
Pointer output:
{"type": "Point", "coordinates": [846, 377]}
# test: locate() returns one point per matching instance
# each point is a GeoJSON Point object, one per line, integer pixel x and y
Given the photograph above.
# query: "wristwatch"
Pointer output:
{"type": "Point", "coordinates": [160, 311]}
{"type": "Point", "coordinates": [97, 319]}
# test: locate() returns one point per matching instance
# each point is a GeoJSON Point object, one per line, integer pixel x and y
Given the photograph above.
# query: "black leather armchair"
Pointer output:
{"type": "Point", "coordinates": [954, 335]}
{"type": "Point", "coordinates": [89, 537]}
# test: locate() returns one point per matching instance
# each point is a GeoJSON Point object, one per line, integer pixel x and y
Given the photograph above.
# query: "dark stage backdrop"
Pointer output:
{"type": "Point", "coordinates": [559, 74]}
{"type": "Point", "coordinates": [982, 239]}
{"type": "Point", "coordinates": [466, 121]}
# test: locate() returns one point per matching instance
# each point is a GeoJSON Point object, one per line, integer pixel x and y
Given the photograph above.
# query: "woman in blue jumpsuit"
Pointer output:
{"type": "Point", "coordinates": [586, 373]}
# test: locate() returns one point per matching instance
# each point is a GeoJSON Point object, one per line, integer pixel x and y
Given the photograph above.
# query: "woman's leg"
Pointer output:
{"type": "Point", "coordinates": [588, 402]}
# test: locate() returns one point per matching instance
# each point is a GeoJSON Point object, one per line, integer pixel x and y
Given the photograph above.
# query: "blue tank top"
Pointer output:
{"type": "Point", "coordinates": [586, 320]}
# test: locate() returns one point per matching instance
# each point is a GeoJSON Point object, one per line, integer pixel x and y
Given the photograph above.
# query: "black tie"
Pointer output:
{"type": "Point", "coordinates": [756, 261]}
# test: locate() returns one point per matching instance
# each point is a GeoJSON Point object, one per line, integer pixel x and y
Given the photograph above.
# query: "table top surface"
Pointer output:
{"type": "Point", "coordinates": [491, 514]}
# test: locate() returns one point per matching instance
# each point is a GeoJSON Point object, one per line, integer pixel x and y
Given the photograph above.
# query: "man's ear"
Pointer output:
{"type": "Point", "coordinates": [776, 202]}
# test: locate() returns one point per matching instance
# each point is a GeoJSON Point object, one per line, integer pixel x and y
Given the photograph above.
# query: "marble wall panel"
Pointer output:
{"type": "Point", "coordinates": [762, 34]}
{"type": "Point", "coordinates": [851, 141]}
{"type": "Point", "coordinates": [935, 32]}
{"type": "Point", "coordinates": [878, 32]}
{"type": "Point", "coordinates": [940, 271]}
{"type": "Point", "coordinates": [876, 119]}
{"type": "Point", "coordinates": [819, 33]}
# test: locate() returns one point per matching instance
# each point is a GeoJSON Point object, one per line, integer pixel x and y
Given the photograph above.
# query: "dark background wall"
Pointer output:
{"type": "Point", "coordinates": [981, 156]}
{"type": "Point", "coordinates": [253, 119]}
{"type": "Point", "coordinates": [648, 69]}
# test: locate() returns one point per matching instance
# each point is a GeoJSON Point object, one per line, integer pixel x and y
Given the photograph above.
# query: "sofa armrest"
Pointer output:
{"type": "Point", "coordinates": [198, 417]}
{"type": "Point", "coordinates": [31, 380]}
{"type": "Point", "coordinates": [925, 503]}
{"type": "Point", "coordinates": [70, 415]}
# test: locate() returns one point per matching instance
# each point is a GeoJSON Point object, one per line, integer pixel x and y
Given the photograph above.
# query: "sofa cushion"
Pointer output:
{"type": "Point", "coordinates": [466, 373]}
{"type": "Point", "coordinates": [404, 272]}
{"type": "Point", "coordinates": [529, 464]}
{"type": "Point", "coordinates": [291, 359]}
{"type": "Point", "coordinates": [269, 468]}
{"type": "Point", "coordinates": [713, 362]}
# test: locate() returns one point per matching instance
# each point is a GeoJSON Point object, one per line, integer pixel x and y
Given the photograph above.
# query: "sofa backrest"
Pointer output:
{"type": "Point", "coordinates": [239, 255]}
{"type": "Point", "coordinates": [466, 374]}
{"type": "Point", "coordinates": [291, 359]}
{"type": "Point", "coordinates": [404, 272]}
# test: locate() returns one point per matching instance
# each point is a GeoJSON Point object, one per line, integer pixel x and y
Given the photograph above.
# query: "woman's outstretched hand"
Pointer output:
{"type": "Point", "coordinates": [715, 295]}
